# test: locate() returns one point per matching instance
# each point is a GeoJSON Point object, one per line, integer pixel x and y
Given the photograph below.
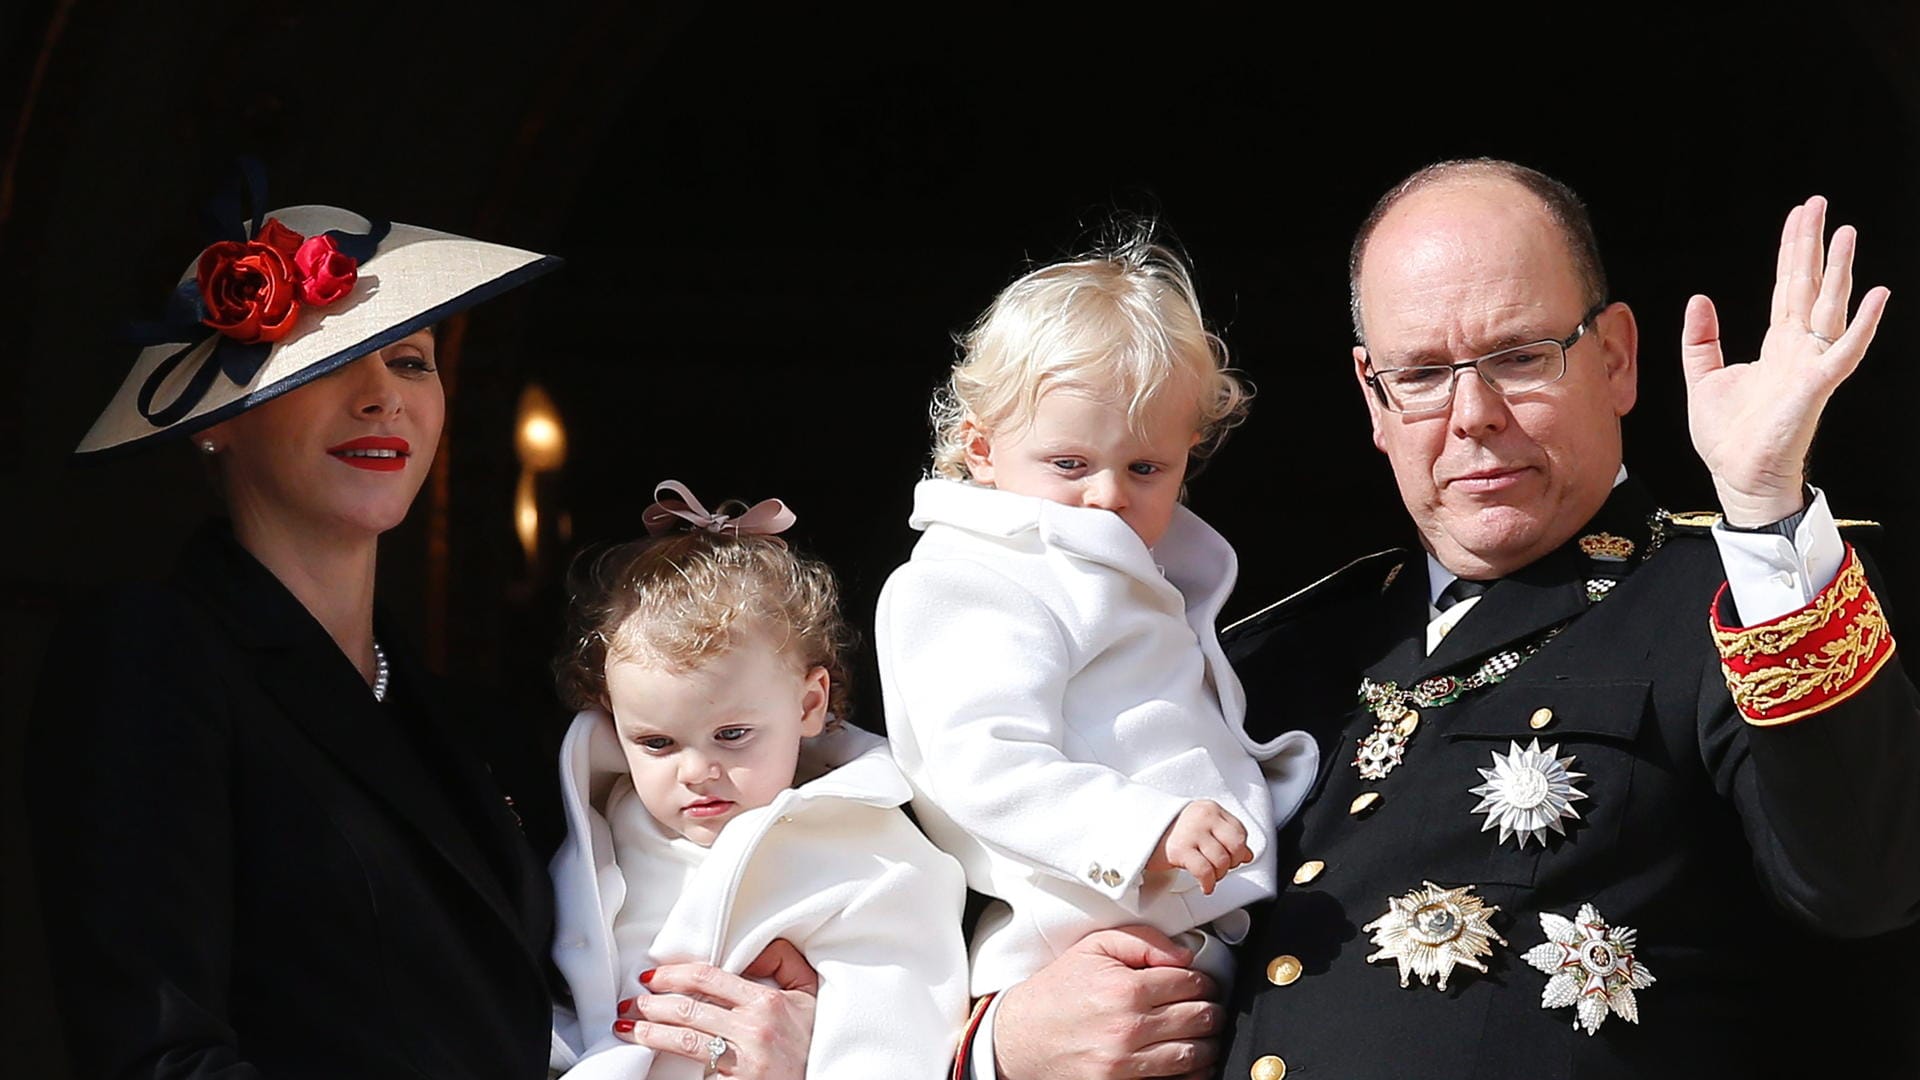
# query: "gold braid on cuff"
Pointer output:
{"type": "Point", "coordinates": [1809, 660]}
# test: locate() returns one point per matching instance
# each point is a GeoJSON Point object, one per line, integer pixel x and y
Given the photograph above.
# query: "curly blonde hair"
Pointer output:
{"type": "Point", "coordinates": [679, 599]}
{"type": "Point", "coordinates": [1125, 319]}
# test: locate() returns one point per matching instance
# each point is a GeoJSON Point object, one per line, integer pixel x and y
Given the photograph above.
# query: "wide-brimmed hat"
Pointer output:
{"type": "Point", "coordinates": [305, 290]}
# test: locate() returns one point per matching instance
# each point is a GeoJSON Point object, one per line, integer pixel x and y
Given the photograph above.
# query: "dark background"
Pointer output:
{"type": "Point", "coordinates": [777, 216]}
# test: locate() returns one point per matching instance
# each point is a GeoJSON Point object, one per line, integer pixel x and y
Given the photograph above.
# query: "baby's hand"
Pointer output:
{"type": "Point", "coordinates": [1205, 841]}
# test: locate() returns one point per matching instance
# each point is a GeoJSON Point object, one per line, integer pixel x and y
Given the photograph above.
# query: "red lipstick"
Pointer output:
{"type": "Point", "coordinates": [375, 453]}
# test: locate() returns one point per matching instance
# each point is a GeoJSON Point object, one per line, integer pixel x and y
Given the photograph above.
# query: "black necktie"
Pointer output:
{"type": "Point", "coordinates": [1460, 589]}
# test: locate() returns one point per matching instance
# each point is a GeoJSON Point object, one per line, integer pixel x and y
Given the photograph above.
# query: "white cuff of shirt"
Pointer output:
{"type": "Point", "coordinates": [1771, 575]}
{"type": "Point", "coordinates": [980, 1061]}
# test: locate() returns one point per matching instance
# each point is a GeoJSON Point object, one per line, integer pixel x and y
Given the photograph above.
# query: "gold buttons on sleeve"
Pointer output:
{"type": "Point", "coordinates": [1308, 871]}
{"type": "Point", "coordinates": [1112, 878]}
{"type": "Point", "coordinates": [1093, 873]}
{"type": "Point", "coordinates": [1366, 801]}
{"type": "Point", "coordinates": [1271, 1067]}
{"type": "Point", "coordinates": [1283, 970]}
{"type": "Point", "coordinates": [1540, 718]}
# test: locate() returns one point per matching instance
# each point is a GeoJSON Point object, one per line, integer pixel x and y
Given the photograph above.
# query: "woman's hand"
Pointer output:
{"type": "Point", "coordinates": [768, 1029]}
{"type": "Point", "coordinates": [1117, 1003]}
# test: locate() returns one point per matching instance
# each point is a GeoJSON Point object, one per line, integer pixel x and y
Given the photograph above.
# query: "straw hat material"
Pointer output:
{"type": "Point", "coordinates": [190, 376]}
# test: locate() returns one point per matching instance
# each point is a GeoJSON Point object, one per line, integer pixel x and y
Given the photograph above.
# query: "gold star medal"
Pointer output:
{"type": "Point", "coordinates": [1592, 968]}
{"type": "Point", "coordinates": [1431, 929]}
{"type": "Point", "coordinates": [1528, 792]}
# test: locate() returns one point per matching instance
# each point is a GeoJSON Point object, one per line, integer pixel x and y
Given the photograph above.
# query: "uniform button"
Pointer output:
{"type": "Point", "coordinates": [1283, 970]}
{"type": "Point", "coordinates": [1409, 720]}
{"type": "Point", "coordinates": [1271, 1067]}
{"type": "Point", "coordinates": [785, 820]}
{"type": "Point", "coordinates": [1308, 871]}
{"type": "Point", "coordinates": [1540, 718]}
{"type": "Point", "coordinates": [1112, 878]}
{"type": "Point", "coordinates": [1366, 801]}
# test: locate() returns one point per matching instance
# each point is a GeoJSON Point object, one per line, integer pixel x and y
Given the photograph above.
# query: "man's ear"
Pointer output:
{"type": "Point", "coordinates": [1375, 414]}
{"type": "Point", "coordinates": [1617, 335]}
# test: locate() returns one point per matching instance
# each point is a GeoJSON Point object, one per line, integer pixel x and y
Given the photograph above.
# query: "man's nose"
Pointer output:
{"type": "Point", "coordinates": [1477, 406]}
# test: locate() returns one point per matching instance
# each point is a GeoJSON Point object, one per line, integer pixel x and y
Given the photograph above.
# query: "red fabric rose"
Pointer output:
{"type": "Point", "coordinates": [279, 237]}
{"type": "Point", "coordinates": [249, 287]}
{"type": "Point", "coordinates": [326, 274]}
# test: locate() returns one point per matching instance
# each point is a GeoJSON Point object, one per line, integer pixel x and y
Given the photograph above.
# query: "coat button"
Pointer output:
{"type": "Point", "coordinates": [1409, 721]}
{"type": "Point", "coordinates": [1540, 718]}
{"type": "Point", "coordinates": [1271, 1067]}
{"type": "Point", "coordinates": [1308, 871]}
{"type": "Point", "coordinates": [1283, 970]}
{"type": "Point", "coordinates": [1366, 801]}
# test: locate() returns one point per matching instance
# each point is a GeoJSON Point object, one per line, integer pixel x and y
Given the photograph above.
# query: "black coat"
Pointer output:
{"type": "Point", "coordinates": [250, 868]}
{"type": "Point", "coordinates": [1738, 853]}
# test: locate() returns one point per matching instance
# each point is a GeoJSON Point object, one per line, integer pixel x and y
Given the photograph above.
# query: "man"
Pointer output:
{"type": "Point", "coordinates": [1548, 840]}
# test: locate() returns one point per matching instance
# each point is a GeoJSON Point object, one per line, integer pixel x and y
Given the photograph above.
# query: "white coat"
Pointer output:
{"type": "Point", "coordinates": [832, 866]}
{"type": "Point", "coordinates": [1056, 698]}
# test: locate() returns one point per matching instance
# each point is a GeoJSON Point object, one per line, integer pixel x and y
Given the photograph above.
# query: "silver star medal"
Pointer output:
{"type": "Point", "coordinates": [1528, 792]}
{"type": "Point", "coordinates": [1592, 968]}
{"type": "Point", "coordinates": [1431, 930]}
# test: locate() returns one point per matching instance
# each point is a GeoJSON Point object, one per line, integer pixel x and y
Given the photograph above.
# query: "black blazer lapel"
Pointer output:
{"type": "Point", "coordinates": [484, 802]}
{"type": "Point", "coordinates": [320, 691]}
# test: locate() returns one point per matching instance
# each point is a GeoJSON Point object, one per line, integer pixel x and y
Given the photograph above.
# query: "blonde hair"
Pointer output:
{"type": "Point", "coordinates": [680, 599]}
{"type": "Point", "coordinates": [1125, 318]}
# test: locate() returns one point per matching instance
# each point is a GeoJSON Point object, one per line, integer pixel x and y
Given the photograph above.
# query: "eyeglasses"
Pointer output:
{"type": "Point", "coordinates": [1519, 370]}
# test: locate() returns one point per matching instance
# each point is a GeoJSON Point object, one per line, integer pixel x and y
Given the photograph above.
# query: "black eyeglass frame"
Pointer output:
{"type": "Point", "coordinates": [1453, 370]}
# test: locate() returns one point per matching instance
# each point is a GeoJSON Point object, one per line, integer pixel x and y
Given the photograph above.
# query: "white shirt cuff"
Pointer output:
{"type": "Point", "coordinates": [1772, 575]}
{"type": "Point", "coordinates": [980, 1062]}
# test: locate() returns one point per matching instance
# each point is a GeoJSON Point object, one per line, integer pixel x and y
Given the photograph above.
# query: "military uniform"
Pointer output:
{"type": "Point", "coordinates": [1692, 865]}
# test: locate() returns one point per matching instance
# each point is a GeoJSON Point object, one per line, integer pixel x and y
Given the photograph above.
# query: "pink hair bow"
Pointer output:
{"type": "Point", "coordinates": [764, 518]}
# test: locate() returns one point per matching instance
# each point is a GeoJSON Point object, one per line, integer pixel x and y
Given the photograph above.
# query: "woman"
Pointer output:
{"type": "Point", "coordinates": [267, 845]}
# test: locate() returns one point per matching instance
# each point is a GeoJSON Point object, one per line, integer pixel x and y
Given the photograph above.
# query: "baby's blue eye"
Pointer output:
{"type": "Point", "coordinates": [1144, 468]}
{"type": "Point", "coordinates": [655, 743]}
{"type": "Point", "coordinates": [731, 734]}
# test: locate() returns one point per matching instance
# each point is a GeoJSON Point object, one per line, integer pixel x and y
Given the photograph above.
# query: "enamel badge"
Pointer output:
{"type": "Point", "coordinates": [1431, 930]}
{"type": "Point", "coordinates": [1591, 966]}
{"type": "Point", "coordinates": [1528, 792]}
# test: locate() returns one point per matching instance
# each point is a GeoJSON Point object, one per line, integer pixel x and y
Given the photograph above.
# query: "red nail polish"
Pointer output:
{"type": "Point", "coordinates": [646, 977]}
{"type": "Point", "coordinates": [624, 1005]}
{"type": "Point", "coordinates": [624, 1027]}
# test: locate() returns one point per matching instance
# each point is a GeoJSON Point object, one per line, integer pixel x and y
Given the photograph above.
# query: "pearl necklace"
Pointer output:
{"type": "Point", "coordinates": [381, 673]}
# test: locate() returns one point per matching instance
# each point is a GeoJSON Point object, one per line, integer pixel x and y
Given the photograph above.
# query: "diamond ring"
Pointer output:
{"type": "Point", "coordinates": [716, 1046]}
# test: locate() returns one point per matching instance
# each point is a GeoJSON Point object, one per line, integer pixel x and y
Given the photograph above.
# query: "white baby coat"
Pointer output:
{"type": "Point", "coordinates": [1056, 694]}
{"type": "Point", "coordinates": [831, 865]}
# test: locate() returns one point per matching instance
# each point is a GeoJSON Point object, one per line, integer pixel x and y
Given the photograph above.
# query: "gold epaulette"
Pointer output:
{"type": "Point", "coordinates": [1694, 519]}
{"type": "Point", "coordinates": [1707, 519]}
